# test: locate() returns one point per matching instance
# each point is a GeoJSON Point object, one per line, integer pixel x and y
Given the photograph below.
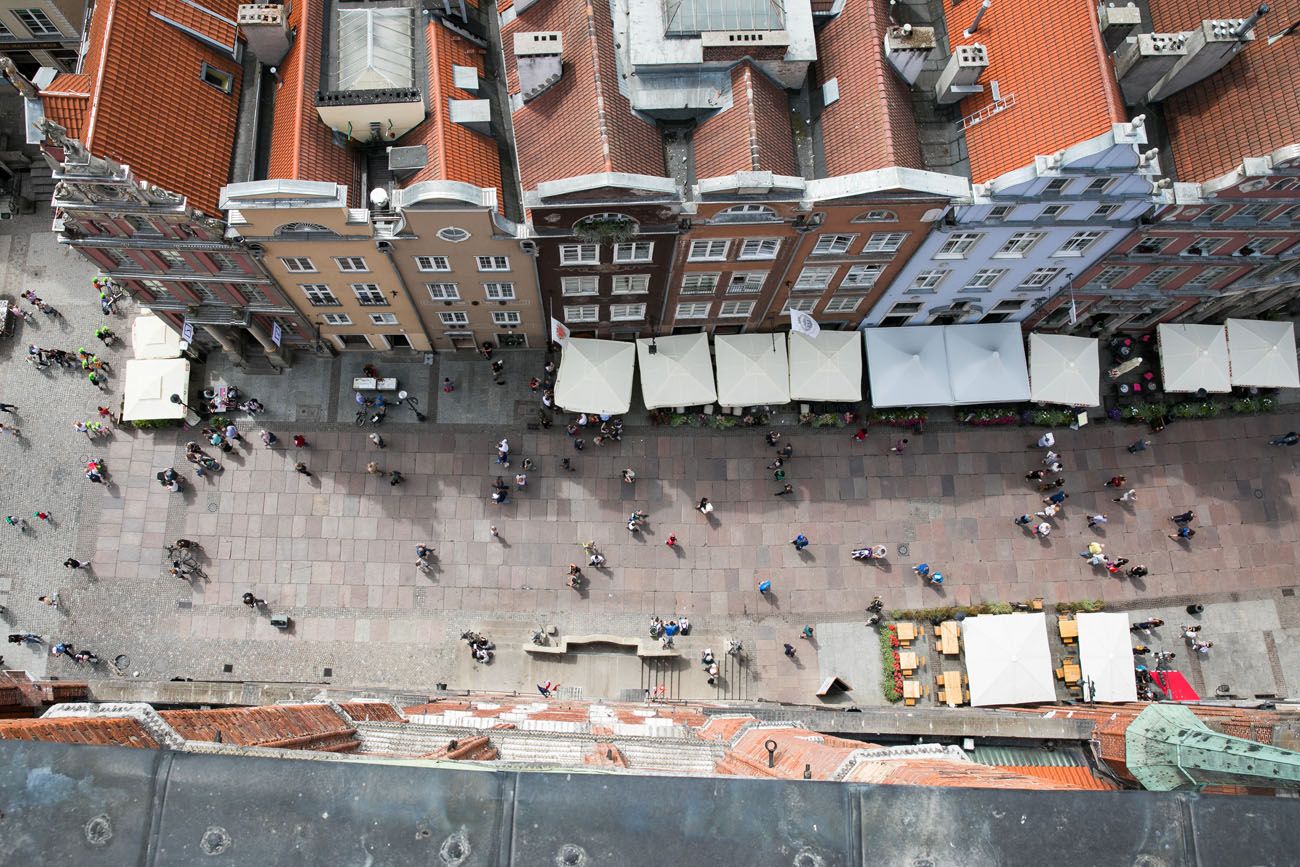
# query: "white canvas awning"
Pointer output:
{"type": "Point", "coordinates": [150, 383]}
{"type": "Point", "coordinates": [826, 367]}
{"type": "Point", "coordinates": [1193, 357]}
{"type": "Point", "coordinates": [151, 337]}
{"type": "Point", "coordinates": [908, 366]}
{"type": "Point", "coordinates": [679, 373]}
{"type": "Point", "coordinates": [753, 369]}
{"type": "Point", "coordinates": [595, 376]}
{"type": "Point", "coordinates": [1262, 353]}
{"type": "Point", "coordinates": [1064, 369]}
{"type": "Point", "coordinates": [1106, 658]}
{"type": "Point", "coordinates": [1007, 659]}
{"type": "Point", "coordinates": [986, 363]}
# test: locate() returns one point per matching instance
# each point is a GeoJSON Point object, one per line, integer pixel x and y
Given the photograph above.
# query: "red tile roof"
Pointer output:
{"type": "Point", "coordinates": [582, 124]}
{"type": "Point", "coordinates": [373, 711]}
{"type": "Point", "coordinates": [1049, 55]}
{"type": "Point", "coordinates": [118, 731]}
{"type": "Point", "coordinates": [1251, 107]}
{"type": "Point", "coordinates": [752, 134]}
{"type": "Point", "coordinates": [871, 126]}
{"type": "Point", "coordinates": [305, 726]}
{"type": "Point", "coordinates": [1075, 777]}
{"type": "Point", "coordinates": [455, 153]}
{"type": "Point", "coordinates": [147, 106]}
{"type": "Point", "coordinates": [66, 100]}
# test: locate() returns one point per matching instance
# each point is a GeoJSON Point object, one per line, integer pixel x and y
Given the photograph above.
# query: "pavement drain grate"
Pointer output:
{"type": "Point", "coordinates": [212, 507]}
{"type": "Point", "coordinates": [903, 550]}
{"type": "Point", "coordinates": [1259, 495]}
{"type": "Point", "coordinates": [1288, 591]}
{"type": "Point", "coordinates": [327, 672]}
{"type": "Point", "coordinates": [308, 412]}
{"type": "Point", "coordinates": [184, 603]}
{"type": "Point", "coordinates": [227, 668]}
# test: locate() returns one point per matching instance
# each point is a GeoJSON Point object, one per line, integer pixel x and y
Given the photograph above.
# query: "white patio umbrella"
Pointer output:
{"type": "Point", "coordinates": [678, 372]}
{"type": "Point", "coordinates": [1106, 657]}
{"type": "Point", "coordinates": [1262, 354]}
{"type": "Point", "coordinates": [1007, 659]}
{"type": "Point", "coordinates": [1064, 369]}
{"type": "Point", "coordinates": [595, 376]}
{"type": "Point", "coordinates": [1194, 357]}
{"type": "Point", "coordinates": [151, 337]}
{"type": "Point", "coordinates": [826, 367]}
{"type": "Point", "coordinates": [150, 383]}
{"type": "Point", "coordinates": [908, 366]}
{"type": "Point", "coordinates": [753, 369]}
{"type": "Point", "coordinates": [986, 363]}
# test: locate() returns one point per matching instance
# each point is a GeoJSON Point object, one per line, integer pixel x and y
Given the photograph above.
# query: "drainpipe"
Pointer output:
{"type": "Point", "coordinates": [804, 233]}
{"type": "Point", "coordinates": [386, 247]}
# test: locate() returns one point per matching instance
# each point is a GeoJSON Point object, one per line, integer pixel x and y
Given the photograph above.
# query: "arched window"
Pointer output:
{"type": "Point", "coordinates": [876, 217]}
{"type": "Point", "coordinates": [453, 234]}
{"type": "Point", "coordinates": [303, 229]}
{"type": "Point", "coordinates": [747, 214]}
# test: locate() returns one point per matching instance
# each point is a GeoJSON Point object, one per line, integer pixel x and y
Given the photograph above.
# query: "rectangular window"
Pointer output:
{"type": "Point", "coordinates": [336, 318]}
{"type": "Point", "coordinates": [700, 283]}
{"type": "Point", "coordinates": [1250, 212]}
{"type": "Point", "coordinates": [5, 32]}
{"type": "Point", "coordinates": [1078, 243]}
{"type": "Point", "coordinates": [493, 263]}
{"type": "Point", "coordinates": [1208, 277]}
{"type": "Point", "coordinates": [251, 293]}
{"type": "Point", "coordinates": [114, 256]}
{"type": "Point", "coordinates": [36, 21]}
{"type": "Point", "coordinates": [216, 78]}
{"type": "Point", "coordinates": [958, 245]}
{"type": "Point", "coordinates": [200, 289]}
{"type": "Point", "coordinates": [1053, 212]}
{"type": "Point", "coordinates": [885, 242]}
{"type": "Point", "coordinates": [804, 305]}
{"type": "Point", "coordinates": [814, 279]}
{"type": "Point", "coordinates": [845, 304]}
{"type": "Point", "coordinates": [499, 291]}
{"type": "Point", "coordinates": [746, 281]}
{"type": "Point", "coordinates": [1108, 277]}
{"type": "Point", "coordinates": [224, 262]}
{"type": "Point", "coordinates": [1057, 185]}
{"type": "Point", "coordinates": [998, 213]}
{"type": "Point", "coordinates": [433, 263]}
{"type": "Point", "coordinates": [708, 251]}
{"type": "Point", "coordinates": [636, 251]}
{"type": "Point", "coordinates": [631, 284]}
{"type": "Point", "coordinates": [1258, 246]}
{"type": "Point", "coordinates": [587, 284]}
{"type": "Point", "coordinates": [1204, 246]}
{"type": "Point", "coordinates": [351, 263]}
{"type": "Point", "coordinates": [454, 317]}
{"type": "Point", "coordinates": [174, 261]}
{"type": "Point", "coordinates": [1018, 245]}
{"type": "Point", "coordinates": [983, 279]}
{"type": "Point", "coordinates": [1152, 245]}
{"type": "Point", "coordinates": [626, 312]}
{"type": "Point", "coordinates": [319, 294]}
{"type": "Point", "coordinates": [862, 276]}
{"type": "Point", "coordinates": [1290, 215]}
{"type": "Point", "coordinates": [928, 281]}
{"type": "Point", "coordinates": [579, 254]}
{"type": "Point", "coordinates": [141, 225]}
{"type": "Point", "coordinates": [582, 313]}
{"type": "Point", "coordinates": [297, 264]}
{"type": "Point", "coordinates": [443, 291]}
{"type": "Point", "coordinates": [833, 245]}
{"type": "Point", "coordinates": [1098, 185]}
{"type": "Point", "coordinates": [759, 248]}
{"type": "Point", "coordinates": [383, 318]}
{"type": "Point", "coordinates": [369, 295]}
{"type": "Point", "coordinates": [505, 317]}
{"type": "Point", "coordinates": [1104, 212]}
{"type": "Point", "coordinates": [1008, 306]}
{"type": "Point", "coordinates": [736, 308]}
{"type": "Point", "coordinates": [1157, 277]}
{"type": "Point", "coordinates": [1039, 277]}
{"type": "Point", "coordinates": [694, 310]}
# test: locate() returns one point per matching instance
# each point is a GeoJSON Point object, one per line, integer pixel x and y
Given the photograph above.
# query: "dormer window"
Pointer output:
{"type": "Point", "coordinates": [213, 77]}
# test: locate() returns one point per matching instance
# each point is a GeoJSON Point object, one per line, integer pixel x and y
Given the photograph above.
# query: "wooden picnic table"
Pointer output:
{"type": "Point", "coordinates": [951, 683]}
{"type": "Point", "coordinates": [1069, 629]}
{"type": "Point", "coordinates": [907, 661]}
{"type": "Point", "coordinates": [911, 691]}
{"type": "Point", "coordinates": [906, 632]}
{"type": "Point", "coordinates": [949, 644]}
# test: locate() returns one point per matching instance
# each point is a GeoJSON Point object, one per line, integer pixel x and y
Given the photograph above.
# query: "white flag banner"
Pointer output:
{"type": "Point", "coordinates": [804, 324]}
{"type": "Point", "coordinates": [559, 331]}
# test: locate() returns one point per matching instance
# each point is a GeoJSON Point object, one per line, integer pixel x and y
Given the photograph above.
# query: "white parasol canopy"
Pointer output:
{"type": "Point", "coordinates": [152, 337]}
{"type": "Point", "coordinates": [1193, 357]}
{"type": "Point", "coordinates": [1106, 658]}
{"type": "Point", "coordinates": [150, 383]}
{"type": "Point", "coordinates": [1064, 369]}
{"type": "Point", "coordinates": [826, 367]}
{"type": "Point", "coordinates": [1007, 659]}
{"type": "Point", "coordinates": [753, 369]}
{"type": "Point", "coordinates": [986, 363]}
{"type": "Point", "coordinates": [679, 373]}
{"type": "Point", "coordinates": [1262, 353]}
{"type": "Point", "coordinates": [595, 376]}
{"type": "Point", "coordinates": [908, 366]}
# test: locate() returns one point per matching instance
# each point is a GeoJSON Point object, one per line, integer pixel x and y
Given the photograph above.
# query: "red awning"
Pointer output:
{"type": "Point", "coordinates": [1175, 685]}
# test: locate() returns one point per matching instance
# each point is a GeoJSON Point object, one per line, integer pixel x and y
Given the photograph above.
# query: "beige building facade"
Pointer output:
{"type": "Point", "coordinates": [36, 33]}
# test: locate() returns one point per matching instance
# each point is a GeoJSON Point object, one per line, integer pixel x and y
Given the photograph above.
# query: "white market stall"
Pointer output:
{"type": "Point", "coordinates": [1194, 357]}
{"type": "Point", "coordinates": [676, 371]}
{"type": "Point", "coordinates": [1262, 354]}
{"type": "Point", "coordinates": [1106, 658]}
{"type": "Point", "coordinates": [753, 369]}
{"type": "Point", "coordinates": [1007, 659]}
{"type": "Point", "coordinates": [595, 376]}
{"type": "Point", "coordinates": [908, 366]}
{"type": "Point", "coordinates": [152, 337]}
{"type": "Point", "coordinates": [826, 367]}
{"type": "Point", "coordinates": [150, 383]}
{"type": "Point", "coordinates": [1064, 370]}
{"type": "Point", "coordinates": [986, 363]}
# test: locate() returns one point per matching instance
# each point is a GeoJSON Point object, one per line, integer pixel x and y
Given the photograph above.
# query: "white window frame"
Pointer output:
{"type": "Point", "coordinates": [1018, 245]}
{"type": "Point", "coordinates": [298, 264]}
{"type": "Point", "coordinates": [1053, 212]}
{"type": "Point", "coordinates": [503, 291]}
{"type": "Point", "coordinates": [747, 214]}
{"type": "Point", "coordinates": [506, 318]}
{"type": "Point", "coordinates": [579, 285]}
{"type": "Point", "coordinates": [312, 291]}
{"type": "Point", "coordinates": [804, 305]}
{"type": "Point", "coordinates": [928, 280]}
{"type": "Point", "coordinates": [1057, 185]}
{"type": "Point", "coordinates": [428, 264]}
{"type": "Point", "coordinates": [958, 244]}
{"type": "Point", "coordinates": [351, 264]}
{"type": "Point", "coordinates": [876, 217]}
{"type": "Point", "coordinates": [699, 282]}
{"type": "Point", "coordinates": [752, 249]}
{"type": "Point", "coordinates": [885, 242]}
{"type": "Point", "coordinates": [1079, 243]}
{"type": "Point", "coordinates": [443, 291]}
{"type": "Point", "coordinates": [1207, 244]}
{"type": "Point", "coordinates": [1159, 242]}
{"type": "Point", "coordinates": [226, 263]}
{"type": "Point", "coordinates": [1105, 212]}
{"type": "Point", "coordinates": [579, 254]}
{"type": "Point", "coordinates": [582, 313]}
{"type": "Point", "coordinates": [833, 245]}
{"type": "Point", "coordinates": [336, 319]}
{"type": "Point", "coordinates": [630, 284]}
{"type": "Point", "coordinates": [1040, 277]}
{"type": "Point", "coordinates": [217, 79]}
{"type": "Point", "coordinates": [453, 318]}
{"type": "Point", "coordinates": [1110, 275]}
{"type": "Point", "coordinates": [634, 252]}
{"type": "Point", "coordinates": [44, 25]}
{"type": "Point", "coordinates": [362, 291]}
{"type": "Point", "coordinates": [814, 278]}
{"type": "Point", "coordinates": [383, 319]}
{"type": "Point", "coordinates": [842, 304]}
{"type": "Point", "coordinates": [1165, 273]}
{"type": "Point", "coordinates": [1098, 186]}
{"type": "Point", "coordinates": [708, 250]}
{"type": "Point", "coordinates": [999, 213]}
{"type": "Point", "coordinates": [1263, 245]}
{"type": "Point", "coordinates": [862, 276]}
{"type": "Point", "coordinates": [492, 263]}
{"type": "Point", "coordinates": [1215, 272]}
{"type": "Point", "coordinates": [453, 234]}
{"type": "Point", "coordinates": [627, 312]}
{"type": "Point", "coordinates": [984, 279]}
{"type": "Point", "coordinates": [735, 309]}
{"type": "Point", "coordinates": [744, 282]}
{"type": "Point", "coordinates": [174, 261]}
{"type": "Point", "coordinates": [694, 310]}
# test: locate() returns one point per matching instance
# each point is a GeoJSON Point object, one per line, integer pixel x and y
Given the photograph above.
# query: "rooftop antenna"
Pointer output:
{"type": "Point", "coordinates": [1260, 12]}
{"type": "Point", "coordinates": [979, 14]}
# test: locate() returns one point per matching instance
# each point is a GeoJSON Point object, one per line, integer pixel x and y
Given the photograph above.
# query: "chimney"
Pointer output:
{"type": "Point", "coordinates": [907, 48]}
{"type": "Point", "coordinates": [266, 30]}
{"type": "Point", "coordinates": [959, 78]}
{"type": "Point", "coordinates": [1117, 23]}
{"type": "Point", "coordinates": [1209, 48]}
{"type": "Point", "coordinates": [538, 61]}
{"type": "Point", "coordinates": [475, 114]}
{"type": "Point", "coordinates": [1143, 61]}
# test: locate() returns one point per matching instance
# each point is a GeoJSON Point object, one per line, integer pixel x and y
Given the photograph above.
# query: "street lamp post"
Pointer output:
{"type": "Point", "coordinates": [413, 403]}
{"type": "Point", "coordinates": [176, 398]}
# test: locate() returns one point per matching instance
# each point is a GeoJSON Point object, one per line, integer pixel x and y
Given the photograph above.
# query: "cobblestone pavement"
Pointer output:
{"type": "Point", "coordinates": [335, 551]}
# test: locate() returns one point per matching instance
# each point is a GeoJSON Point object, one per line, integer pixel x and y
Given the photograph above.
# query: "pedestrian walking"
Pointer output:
{"type": "Point", "coordinates": [860, 435]}
{"type": "Point", "coordinates": [395, 478]}
{"type": "Point", "coordinates": [899, 447]}
{"type": "Point", "coordinates": [252, 601]}
{"type": "Point", "coordinates": [1055, 467]}
{"type": "Point", "coordinates": [299, 441]}
{"type": "Point", "coordinates": [1049, 512]}
{"type": "Point", "coordinates": [1043, 530]}
{"type": "Point", "coordinates": [16, 522]}
{"type": "Point", "coordinates": [1202, 646]}
{"type": "Point", "coordinates": [578, 444]}
{"type": "Point", "coordinates": [778, 476]}
{"type": "Point", "coordinates": [1129, 496]}
{"type": "Point", "coordinates": [1137, 571]}
{"type": "Point", "coordinates": [1024, 520]}
{"type": "Point", "coordinates": [776, 464]}
{"type": "Point", "coordinates": [1117, 482]}
{"type": "Point", "coordinates": [765, 587]}
{"type": "Point", "coordinates": [1057, 499]}
{"type": "Point", "coordinates": [1289, 438]}
{"type": "Point", "coordinates": [1140, 445]}
{"type": "Point", "coordinates": [1184, 517]}
{"type": "Point", "coordinates": [922, 569]}
{"type": "Point", "coordinates": [447, 385]}
{"type": "Point", "coordinates": [301, 468]}
{"type": "Point", "coordinates": [492, 531]}
{"type": "Point", "coordinates": [800, 542]}
{"type": "Point", "coordinates": [629, 476]}
{"type": "Point", "coordinates": [806, 633]}
{"type": "Point", "coordinates": [704, 507]}
{"type": "Point", "coordinates": [786, 450]}
{"type": "Point", "coordinates": [12, 431]}
{"type": "Point", "coordinates": [25, 637]}
{"type": "Point", "coordinates": [7, 407]}
{"type": "Point", "coordinates": [1035, 475]}
{"type": "Point", "coordinates": [936, 578]}
{"type": "Point", "coordinates": [232, 433]}
{"type": "Point", "coordinates": [269, 439]}
{"type": "Point", "coordinates": [773, 437]}
{"type": "Point", "coordinates": [534, 384]}
{"type": "Point", "coordinates": [786, 490]}
{"type": "Point", "coordinates": [51, 600]}
{"type": "Point", "coordinates": [503, 452]}
{"type": "Point", "coordinates": [672, 540]}
{"type": "Point", "coordinates": [789, 650]}
{"type": "Point", "coordinates": [1097, 520]}
{"type": "Point", "coordinates": [1184, 534]}
{"type": "Point", "coordinates": [377, 440]}
{"type": "Point", "coordinates": [1046, 441]}
{"type": "Point", "coordinates": [1146, 625]}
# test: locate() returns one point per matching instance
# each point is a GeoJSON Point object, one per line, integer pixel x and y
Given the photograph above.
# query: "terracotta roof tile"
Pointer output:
{"type": "Point", "coordinates": [871, 126]}
{"type": "Point", "coordinates": [307, 726]}
{"type": "Point", "coordinates": [937, 772]}
{"type": "Point", "coordinates": [116, 731]}
{"type": "Point", "coordinates": [374, 711]}
{"type": "Point", "coordinates": [752, 134]}
{"type": "Point", "coordinates": [1249, 108]}
{"type": "Point", "coordinates": [66, 100]}
{"type": "Point", "coordinates": [1049, 55]}
{"type": "Point", "coordinates": [582, 124]}
{"type": "Point", "coordinates": [1075, 777]}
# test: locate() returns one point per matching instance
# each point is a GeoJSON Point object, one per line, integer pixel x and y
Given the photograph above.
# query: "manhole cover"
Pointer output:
{"type": "Point", "coordinates": [122, 660]}
{"type": "Point", "coordinates": [83, 458]}
{"type": "Point", "coordinates": [1223, 689]}
{"type": "Point", "coordinates": [903, 550]}
{"type": "Point", "coordinates": [212, 507]}
{"type": "Point", "coordinates": [1259, 495]}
